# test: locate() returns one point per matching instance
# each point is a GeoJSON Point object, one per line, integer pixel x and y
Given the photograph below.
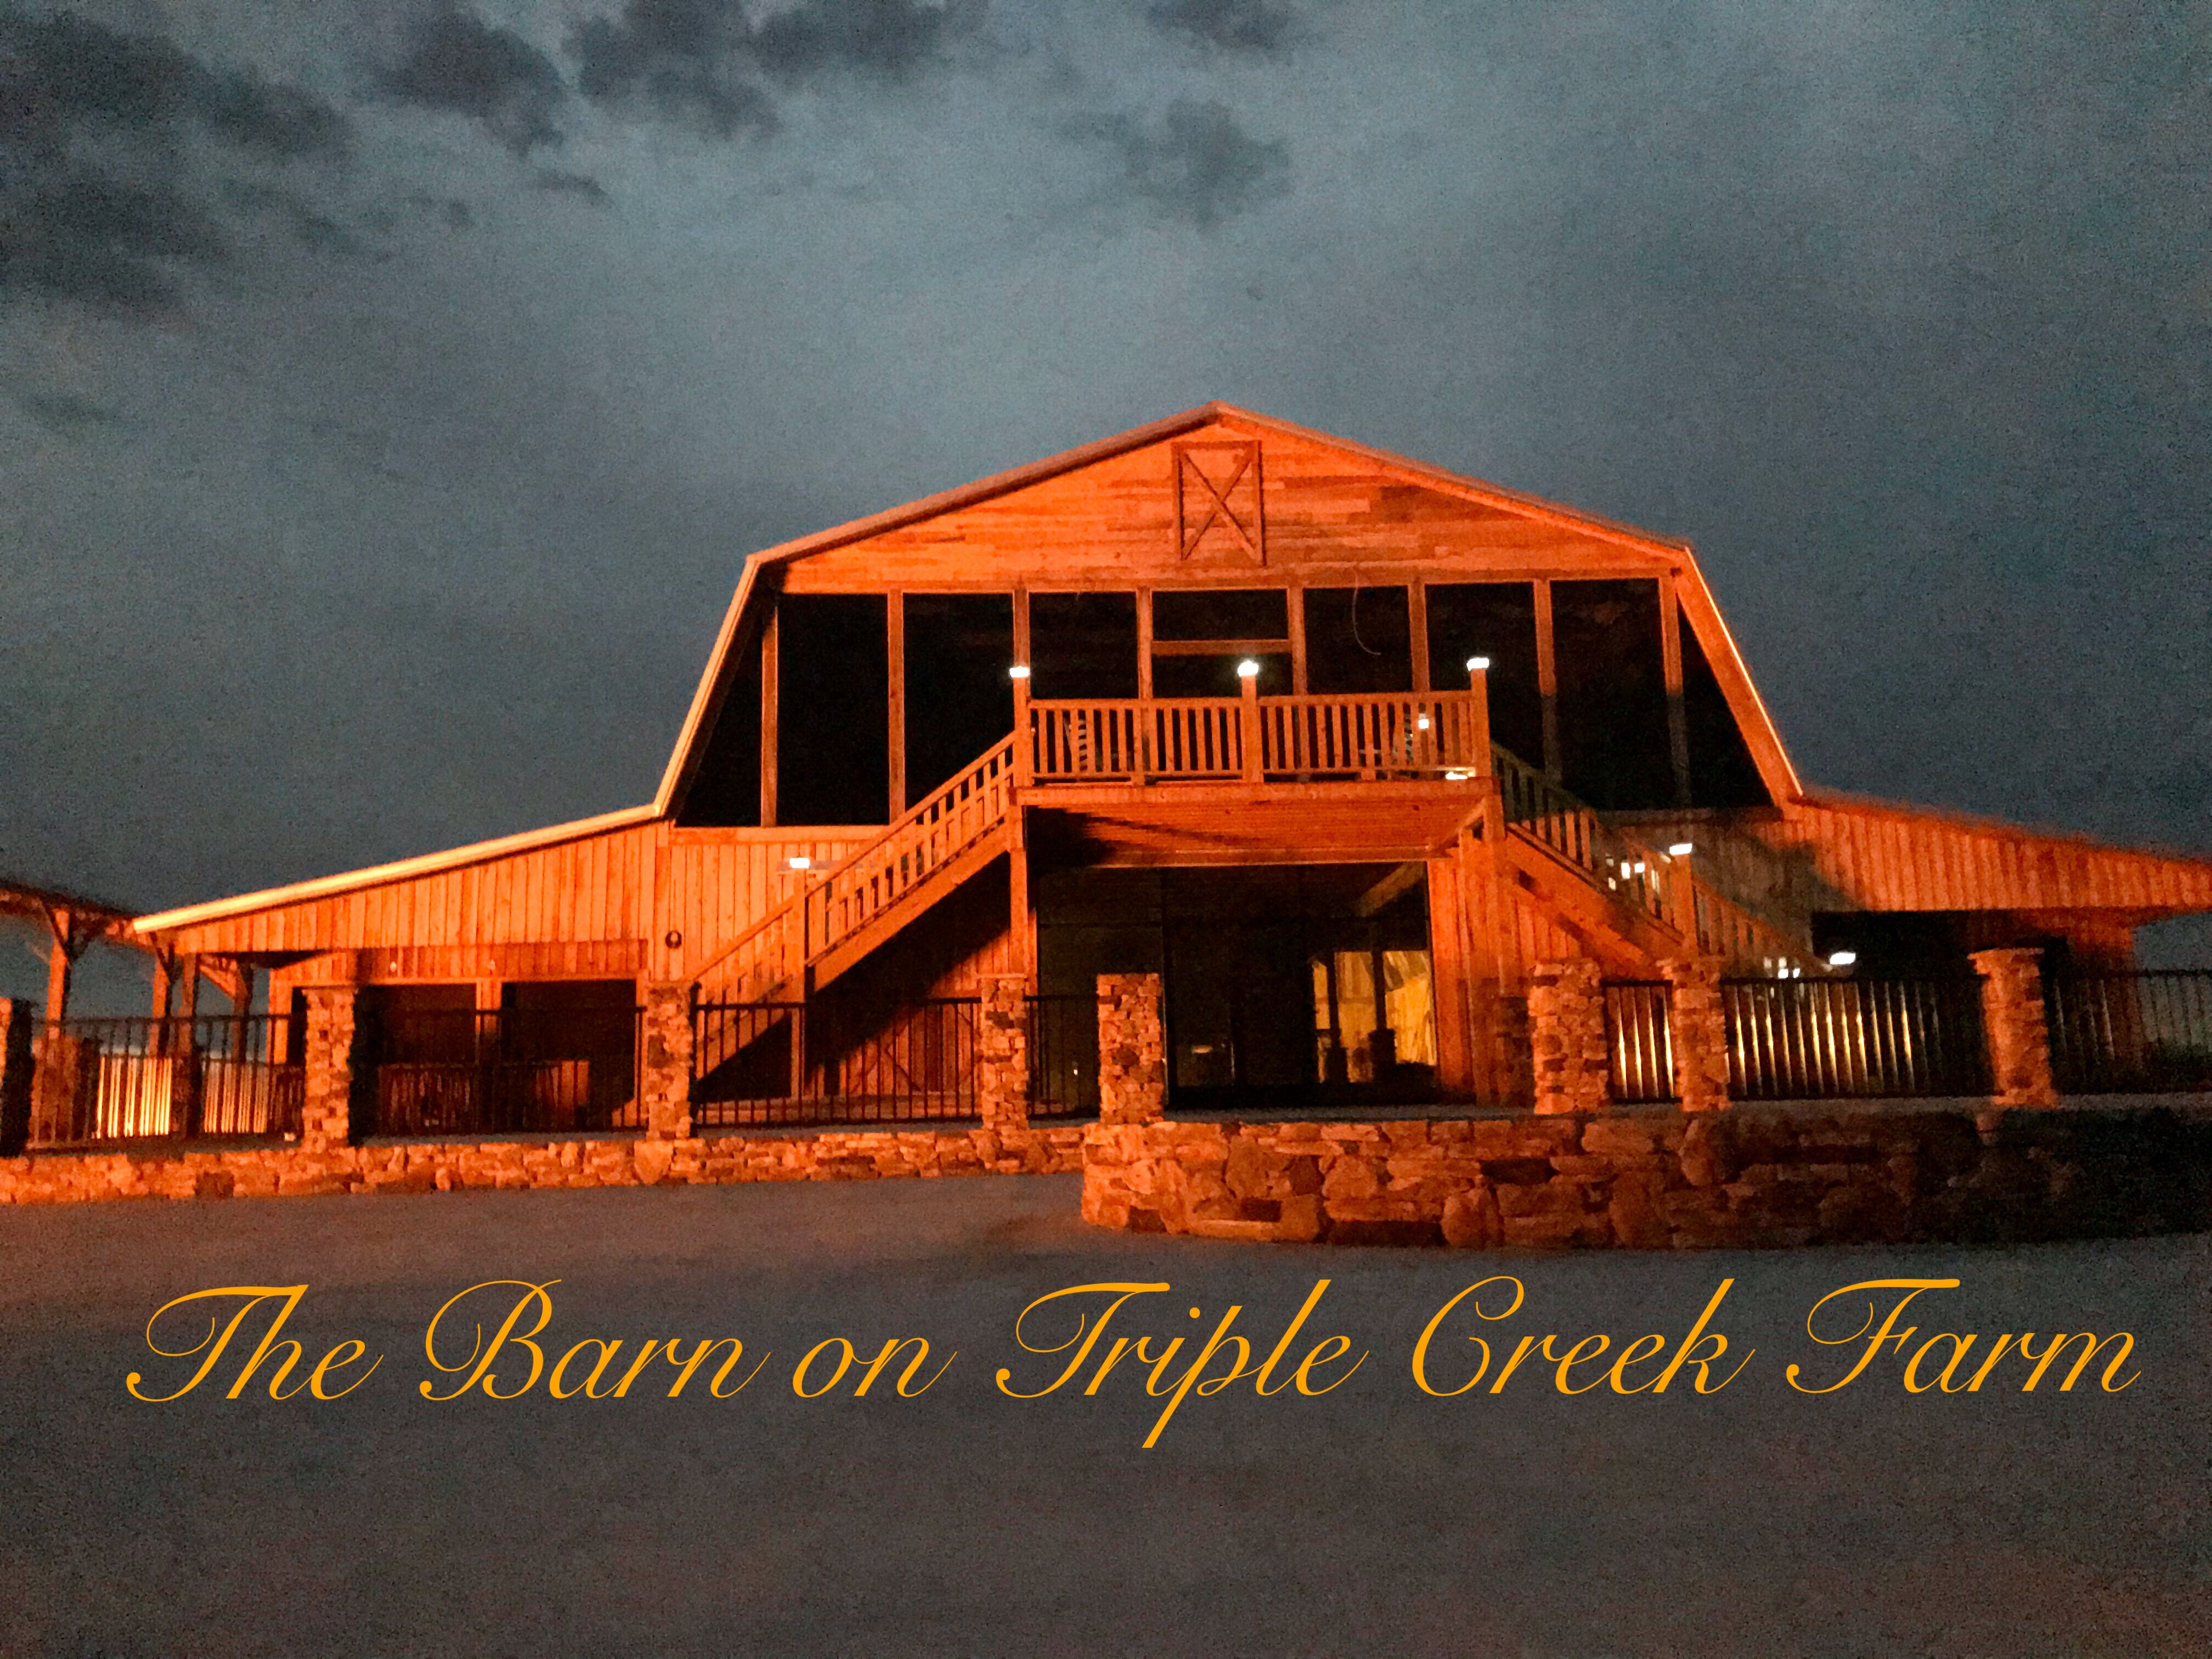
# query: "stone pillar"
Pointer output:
{"type": "Point", "coordinates": [336, 1071]}
{"type": "Point", "coordinates": [16, 1020]}
{"type": "Point", "coordinates": [1566, 1036]}
{"type": "Point", "coordinates": [2013, 1019]}
{"type": "Point", "coordinates": [1133, 1059]}
{"type": "Point", "coordinates": [1002, 1053]}
{"type": "Point", "coordinates": [664, 1076]}
{"type": "Point", "coordinates": [1697, 1030]}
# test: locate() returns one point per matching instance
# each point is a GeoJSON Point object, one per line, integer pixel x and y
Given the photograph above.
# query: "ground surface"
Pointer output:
{"type": "Point", "coordinates": [1373, 1519]}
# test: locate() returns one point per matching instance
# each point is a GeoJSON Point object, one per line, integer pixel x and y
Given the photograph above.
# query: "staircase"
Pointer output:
{"type": "Point", "coordinates": [1633, 903]}
{"type": "Point", "coordinates": [842, 915]}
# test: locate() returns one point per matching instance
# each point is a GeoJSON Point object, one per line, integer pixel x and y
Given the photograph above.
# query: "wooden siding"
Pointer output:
{"type": "Point", "coordinates": [1840, 856]}
{"type": "Point", "coordinates": [1113, 523]}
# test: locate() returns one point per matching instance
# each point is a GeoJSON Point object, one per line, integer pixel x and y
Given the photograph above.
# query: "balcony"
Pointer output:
{"type": "Point", "coordinates": [1422, 737]}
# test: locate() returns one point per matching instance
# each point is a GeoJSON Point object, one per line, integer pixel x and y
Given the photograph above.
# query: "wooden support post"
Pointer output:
{"type": "Point", "coordinates": [895, 680]}
{"type": "Point", "coordinates": [1678, 717]}
{"type": "Point", "coordinates": [1295, 600]}
{"type": "Point", "coordinates": [60, 958]}
{"type": "Point", "coordinates": [1248, 726]}
{"type": "Point", "coordinates": [1021, 915]}
{"type": "Point", "coordinates": [1025, 741]}
{"type": "Point", "coordinates": [770, 680]}
{"type": "Point", "coordinates": [1145, 645]}
{"type": "Point", "coordinates": [1417, 633]}
{"type": "Point", "coordinates": [1547, 681]}
{"type": "Point", "coordinates": [164, 983]}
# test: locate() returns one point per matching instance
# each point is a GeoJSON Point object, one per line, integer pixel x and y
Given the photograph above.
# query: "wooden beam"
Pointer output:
{"type": "Point", "coordinates": [1548, 679]}
{"type": "Point", "coordinates": [1398, 882]}
{"type": "Point", "coordinates": [770, 633]}
{"type": "Point", "coordinates": [1295, 598]}
{"type": "Point", "coordinates": [1021, 915]}
{"type": "Point", "coordinates": [1678, 718]}
{"type": "Point", "coordinates": [895, 679]}
{"type": "Point", "coordinates": [1226, 647]}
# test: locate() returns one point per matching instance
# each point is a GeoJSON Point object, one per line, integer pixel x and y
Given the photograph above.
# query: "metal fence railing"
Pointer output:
{"type": "Point", "coordinates": [2131, 1033]}
{"type": "Point", "coordinates": [500, 1072]}
{"type": "Point", "coordinates": [1064, 1056]}
{"type": "Point", "coordinates": [1815, 1039]}
{"type": "Point", "coordinates": [143, 1079]}
{"type": "Point", "coordinates": [1639, 1049]}
{"type": "Point", "coordinates": [787, 1062]}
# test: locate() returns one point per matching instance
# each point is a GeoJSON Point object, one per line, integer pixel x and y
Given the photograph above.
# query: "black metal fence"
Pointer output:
{"type": "Point", "coordinates": [227, 1075]}
{"type": "Point", "coordinates": [1064, 1056]}
{"type": "Point", "coordinates": [2131, 1033]}
{"type": "Point", "coordinates": [500, 1072]}
{"type": "Point", "coordinates": [785, 1062]}
{"type": "Point", "coordinates": [1819, 1039]}
{"type": "Point", "coordinates": [1639, 1047]}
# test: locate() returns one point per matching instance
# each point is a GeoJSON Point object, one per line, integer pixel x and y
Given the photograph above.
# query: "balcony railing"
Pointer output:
{"type": "Point", "coordinates": [159, 1079]}
{"type": "Point", "coordinates": [1416, 734]}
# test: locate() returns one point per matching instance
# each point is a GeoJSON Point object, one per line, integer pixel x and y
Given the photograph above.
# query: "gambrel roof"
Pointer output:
{"type": "Point", "coordinates": [1492, 501]}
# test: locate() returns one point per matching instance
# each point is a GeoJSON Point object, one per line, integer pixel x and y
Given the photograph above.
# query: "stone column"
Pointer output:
{"type": "Point", "coordinates": [16, 1020]}
{"type": "Point", "coordinates": [1002, 1053]}
{"type": "Point", "coordinates": [1133, 1060]}
{"type": "Point", "coordinates": [1566, 1036]}
{"type": "Point", "coordinates": [663, 1084]}
{"type": "Point", "coordinates": [2013, 1019]}
{"type": "Point", "coordinates": [336, 1072]}
{"type": "Point", "coordinates": [1697, 1030]}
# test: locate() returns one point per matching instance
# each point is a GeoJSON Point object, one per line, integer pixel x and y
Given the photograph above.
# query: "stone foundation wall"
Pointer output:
{"type": "Point", "coordinates": [1746, 1179]}
{"type": "Point", "coordinates": [443, 1166]}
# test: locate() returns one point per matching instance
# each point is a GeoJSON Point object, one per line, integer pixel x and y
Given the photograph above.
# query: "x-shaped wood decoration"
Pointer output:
{"type": "Point", "coordinates": [1219, 484]}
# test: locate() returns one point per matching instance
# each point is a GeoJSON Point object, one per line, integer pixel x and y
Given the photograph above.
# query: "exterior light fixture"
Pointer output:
{"type": "Point", "coordinates": [1842, 958]}
{"type": "Point", "coordinates": [1457, 777]}
{"type": "Point", "coordinates": [1421, 723]}
{"type": "Point", "coordinates": [1020, 670]}
{"type": "Point", "coordinates": [800, 861]}
{"type": "Point", "coordinates": [1477, 663]}
{"type": "Point", "coordinates": [1681, 849]}
{"type": "Point", "coordinates": [1249, 669]}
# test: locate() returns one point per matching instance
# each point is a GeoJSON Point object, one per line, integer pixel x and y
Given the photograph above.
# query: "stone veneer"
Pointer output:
{"type": "Point", "coordinates": [442, 1166]}
{"type": "Point", "coordinates": [1697, 1024]}
{"type": "Point", "coordinates": [1566, 1036]}
{"type": "Point", "coordinates": [1002, 1053]}
{"type": "Point", "coordinates": [1659, 1181]}
{"type": "Point", "coordinates": [1132, 1060]}
{"type": "Point", "coordinates": [2018, 1038]}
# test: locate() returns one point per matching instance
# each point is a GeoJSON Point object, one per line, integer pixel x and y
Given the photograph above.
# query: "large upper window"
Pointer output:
{"type": "Point", "coordinates": [1200, 635]}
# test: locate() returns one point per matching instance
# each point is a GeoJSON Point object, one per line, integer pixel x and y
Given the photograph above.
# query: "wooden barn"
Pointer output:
{"type": "Point", "coordinates": [1340, 744]}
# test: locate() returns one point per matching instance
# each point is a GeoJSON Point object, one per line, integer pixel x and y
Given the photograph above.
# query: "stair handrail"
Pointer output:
{"type": "Point", "coordinates": [808, 924]}
{"type": "Point", "coordinates": [1545, 811]}
{"type": "Point", "coordinates": [1569, 828]}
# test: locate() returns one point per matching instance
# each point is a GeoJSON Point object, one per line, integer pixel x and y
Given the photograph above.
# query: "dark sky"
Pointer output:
{"type": "Point", "coordinates": [390, 393]}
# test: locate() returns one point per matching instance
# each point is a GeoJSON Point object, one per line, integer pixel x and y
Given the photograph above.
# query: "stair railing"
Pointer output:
{"type": "Point", "coordinates": [851, 894]}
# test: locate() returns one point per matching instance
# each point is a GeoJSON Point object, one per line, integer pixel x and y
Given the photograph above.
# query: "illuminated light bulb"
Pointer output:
{"type": "Point", "coordinates": [1681, 849]}
{"type": "Point", "coordinates": [1421, 723]}
{"type": "Point", "coordinates": [1477, 663]}
{"type": "Point", "coordinates": [800, 861]}
{"type": "Point", "coordinates": [1020, 670]}
{"type": "Point", "coordinates": [1248, 670]}
{"type": "Point", "coordinates": [1842, 958]}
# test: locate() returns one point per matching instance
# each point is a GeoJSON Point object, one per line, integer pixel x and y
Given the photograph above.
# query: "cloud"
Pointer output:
{"type": "Point", "coordinates": [584, 188]}
{"type": "Point", "coordinates": [453, 61]}
{"type": "Point", "coordinates": [66, 415]}
{"type": "Point", "coordinates": [100, 134]}
{"type": "Point", "coordinates": [1252, 25]}
{"type": "Point", "coordinates": [62, 72]}
{"type": "Point", "coordinates": [1198, 166]}
{"type": "Point", "coordinates": [75, 234]}
{"type": "Point", "coordinates": [699, 63]}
